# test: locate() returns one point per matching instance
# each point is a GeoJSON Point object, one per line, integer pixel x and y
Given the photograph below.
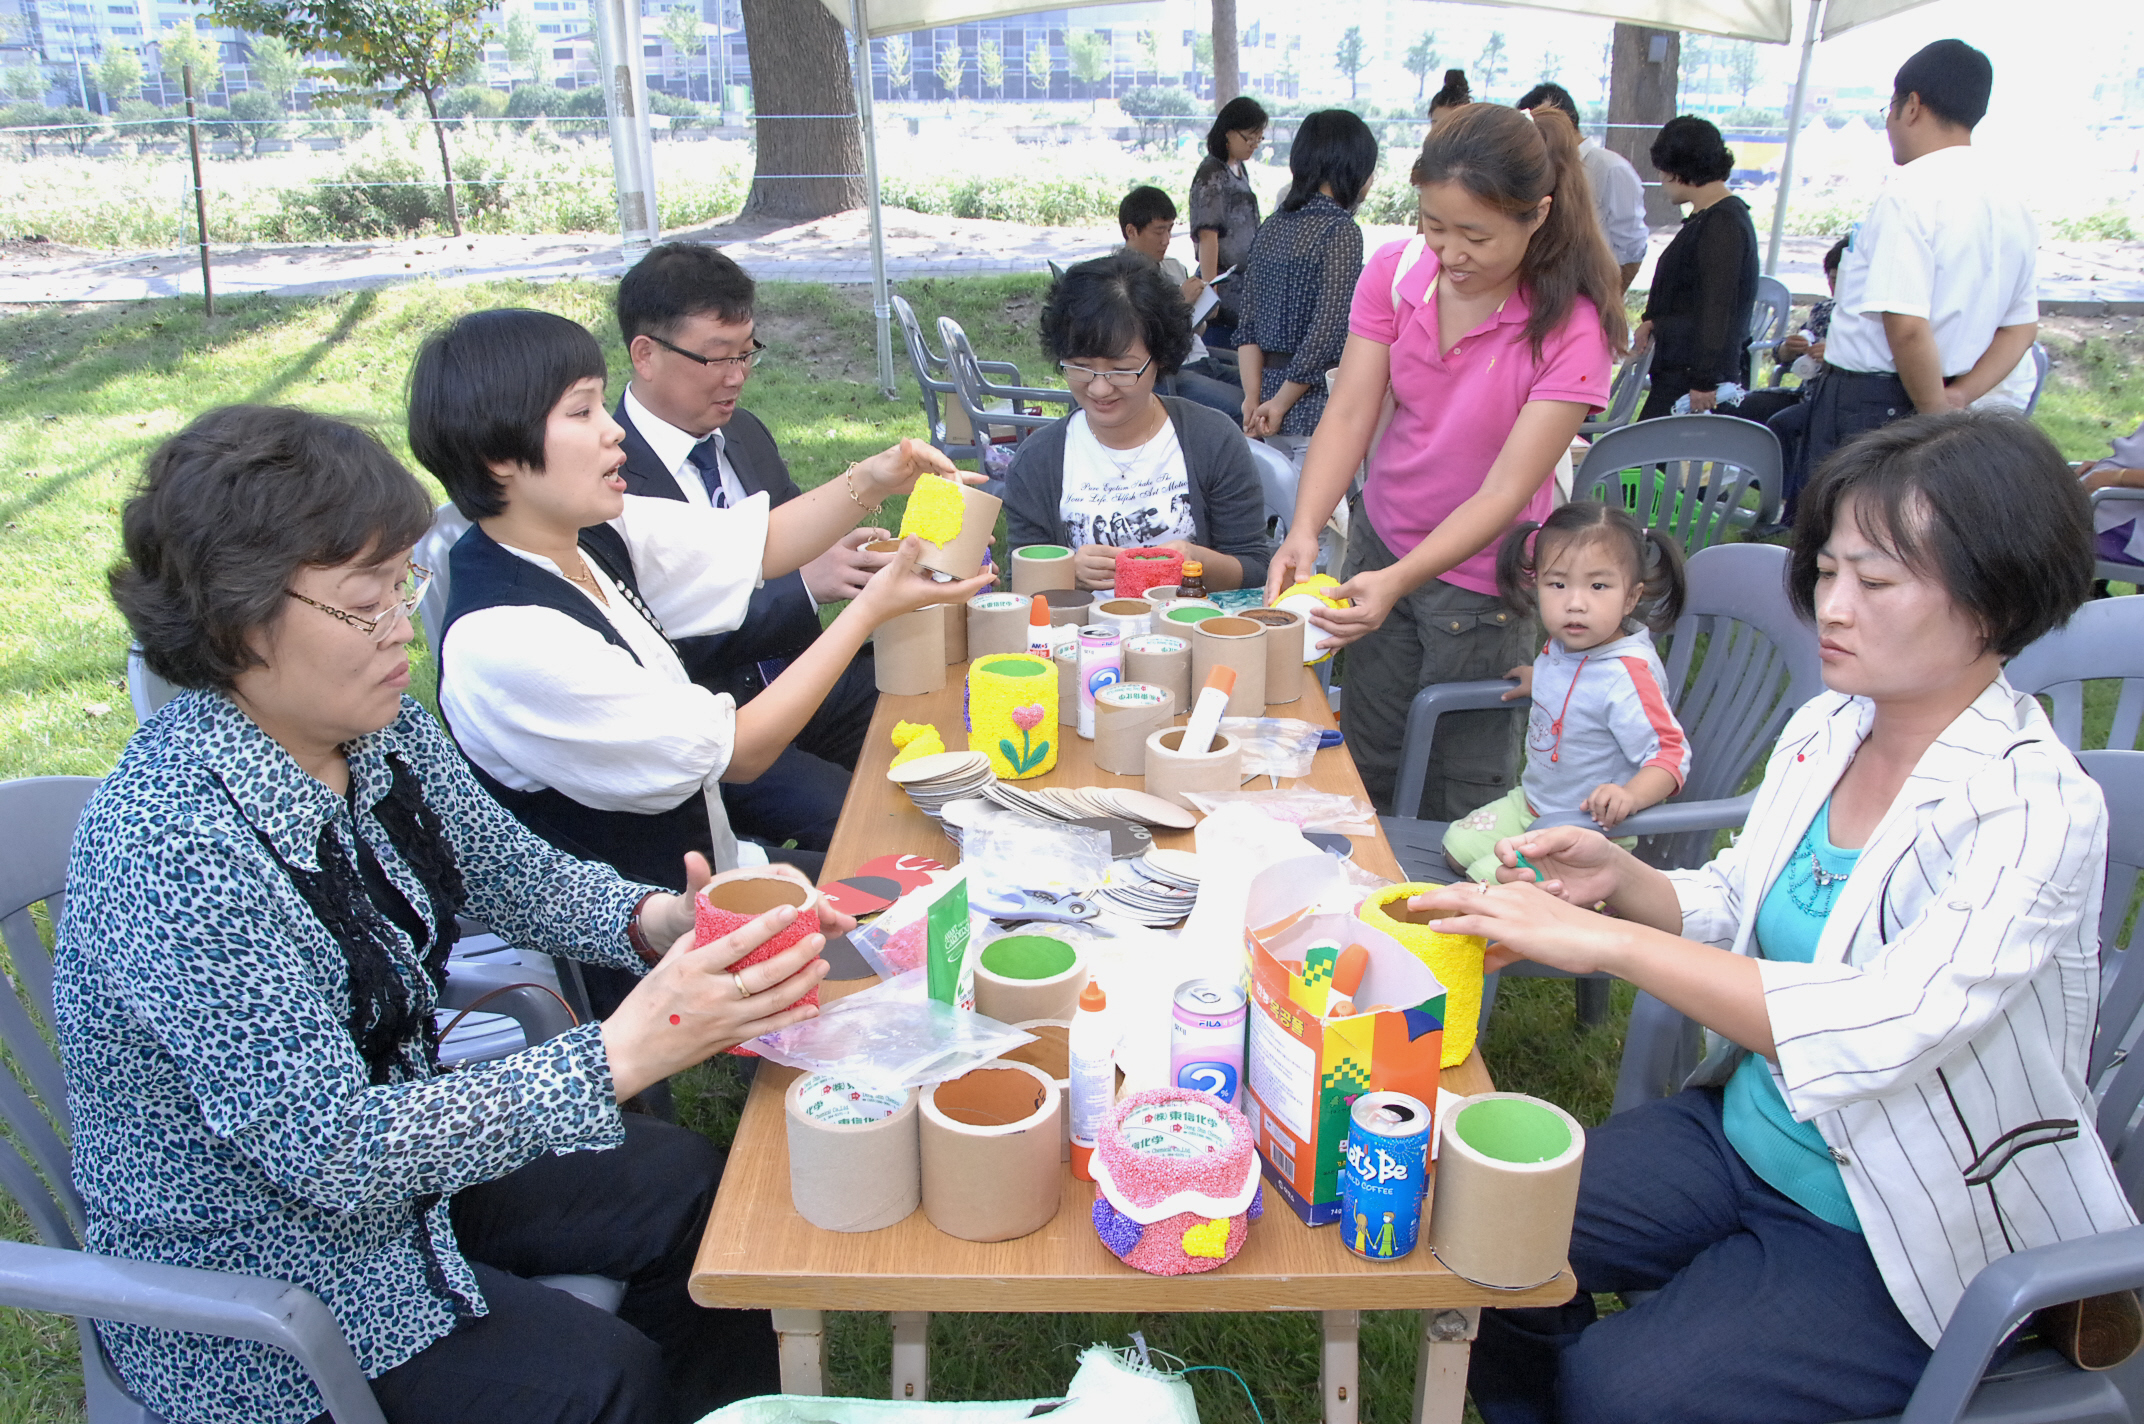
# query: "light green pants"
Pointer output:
{"type": "Point", "coordinates": [1470, 842]}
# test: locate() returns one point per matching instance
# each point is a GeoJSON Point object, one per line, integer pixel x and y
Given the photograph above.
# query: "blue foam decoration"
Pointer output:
{"type": "Point", "coordinates": [1118, 1231]}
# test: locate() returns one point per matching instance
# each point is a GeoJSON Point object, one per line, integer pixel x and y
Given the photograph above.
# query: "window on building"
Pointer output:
{"type": "Point", "coordinates": [550, 29]}
{"type": "Point", "coordinates": [563, 52]}
{"type": "Point", "coordinates": [653, 51]}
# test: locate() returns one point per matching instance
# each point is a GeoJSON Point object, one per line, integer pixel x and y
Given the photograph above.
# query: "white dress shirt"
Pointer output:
{"type": "Point", "coordinates": [1619, 200]}
{"type": "Point", "coordinates": [1939, 1038]}
{"type": "Point", "coordinates": [539, 700]}
{"type": "Point", "coordinates": [674, 448]}
{"type": "Point", "coordinates": [1949, 240]}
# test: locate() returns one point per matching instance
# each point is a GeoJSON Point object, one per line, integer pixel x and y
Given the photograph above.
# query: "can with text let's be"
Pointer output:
{"type": "Point", "coordinates": [1387, 1170]}
{"type": "Point", "coordinates": [1206, 1039]}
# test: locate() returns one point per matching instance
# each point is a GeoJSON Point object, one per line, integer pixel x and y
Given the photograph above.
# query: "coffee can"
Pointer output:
{"type": "Point", "coordinates": [1101, 663]}
{"type": "Point", "coordinates": [1206, 1038]}
{"type": "Point", "coordinates": [1386, 1173]}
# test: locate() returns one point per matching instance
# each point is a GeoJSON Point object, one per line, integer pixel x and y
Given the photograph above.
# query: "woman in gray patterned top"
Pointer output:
{"type": "Point", "coordinates": [1299, 283]}
{"type": "Point", "coordinates": [259, 910]}
{"type": "Point", "coordinates": [1224, 208]}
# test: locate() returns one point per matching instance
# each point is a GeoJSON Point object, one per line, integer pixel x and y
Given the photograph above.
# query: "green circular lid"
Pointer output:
{"type": "Point", "coordinates": [1028, 957]}
{"type": "Point", "coordinates": [1192, 614]}
{"type": "Point", "coordinates": [1513, 1130]}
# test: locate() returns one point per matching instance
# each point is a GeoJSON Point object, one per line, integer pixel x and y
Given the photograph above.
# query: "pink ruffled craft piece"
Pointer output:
{"type": "Point", "coordinates": [1146, 1181]}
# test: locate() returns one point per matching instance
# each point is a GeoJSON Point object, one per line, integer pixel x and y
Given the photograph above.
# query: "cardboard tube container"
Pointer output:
{"type": "Point", "coordinates": [997, 623]}
{"type": "Point", "coordinates": [1068, 688]}
{"type": "Point", "coordinates": [1012, 717]}
{"type": "Point", "coordinates": [1185, 614]}
{"type": "Point", "coordinates": [1161, 597]}
{"type": "Point", "coordinates": [1124, 716]}
{"type": "Point", "coordinates": [910, 654]}
{"type": "Point", "coordinates": [1162, 659]}
{"type": "Point", "coordinates": [955, 523]}
{"type": "Point", "coordinates": [1170, 773]}
{"type": "Point", "coordinates": [1037, 568]}
{"type": "Point", "coordinates": [726, 906]}
{"type": "Point", "coordinates": [956, 632]}
{"type": "Point", "coordinates": [1506, 1190]}
{"type": "Point", "coordinates": [991, 1152]}
{"type": "Point", "coordinates": [1456, 960]}
{"type": "Point", "coordinates": [1235, 643]}
{"type": "Point", "coordinates": [1141, 569]}
{"type": "Point", "coordinates": [1052, 1053]}
{"type": "Point", "coordinates": [1131, 617]}
{"type": "Point", "coordinates": [1284, 652]}
{"type": "Point", "coordinates": [1069, 605]}
{"type": "Point", "coordinates": [855, 1155]}
{"type": "Point", "coordinates": [1029, 976]}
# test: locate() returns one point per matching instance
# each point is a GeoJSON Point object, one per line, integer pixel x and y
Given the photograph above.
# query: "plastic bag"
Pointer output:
{"type": "Point", "coordinates": [1006, 853]}
{"type": "Point", "coordinates": [1274, 746]}
{"type": "Point", "coordinates": [1300, 807]}
{"type": "Point", "coordinates": [894, 1034]}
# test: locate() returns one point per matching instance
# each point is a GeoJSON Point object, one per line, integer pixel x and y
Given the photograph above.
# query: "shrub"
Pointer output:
{"type": "Point", "coordinates": [2109, 224]}
{"type": "Point", "coordinates": [1165, 101]}
{"type": "Point", "coordinates": [682, 113]}
{"type": "Point", "coordinates": [144, 122]}
{"type": "Point", "coordinates": [530, 102]}
{"type": "Point", "coordinates": [479, 101]}
{"type": "Point", "coordinates": [256, 116]}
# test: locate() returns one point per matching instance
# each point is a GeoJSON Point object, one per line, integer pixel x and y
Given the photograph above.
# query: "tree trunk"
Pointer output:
{"type": "Point", "coordinates": [1641, 97]}
{"type": "Point", "coordinates": [446, 161]}
{"type": "Point", "coordinates": [1227, 75]}
{"type": "Point", "coordinates": [800, 66]}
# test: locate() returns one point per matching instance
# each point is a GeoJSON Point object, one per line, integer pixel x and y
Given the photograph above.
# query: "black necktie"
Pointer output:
{"type": "Point", "coordinates": [704, 458]}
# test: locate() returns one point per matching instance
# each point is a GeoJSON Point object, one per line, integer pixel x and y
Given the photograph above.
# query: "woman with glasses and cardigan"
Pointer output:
{"type": "Point", "coordinates": [260, 904]}
{"type": "Point", "coordinates": [1130, 468]}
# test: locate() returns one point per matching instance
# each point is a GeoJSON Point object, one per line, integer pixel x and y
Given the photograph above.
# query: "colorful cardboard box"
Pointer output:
{"type": "Point", "coordinates": [1304, 1070]}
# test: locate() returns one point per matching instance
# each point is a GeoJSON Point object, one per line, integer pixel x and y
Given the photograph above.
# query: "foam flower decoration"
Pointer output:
{"type": "Point", "coordinates": [1027, 719]}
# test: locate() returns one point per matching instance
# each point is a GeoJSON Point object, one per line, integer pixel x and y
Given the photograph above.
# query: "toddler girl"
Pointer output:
{"type": "Point", "coordinates": [1601, 738]}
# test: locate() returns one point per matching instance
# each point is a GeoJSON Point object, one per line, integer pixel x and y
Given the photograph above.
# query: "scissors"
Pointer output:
{"type": "Point", "coordinates": [1036, 905]}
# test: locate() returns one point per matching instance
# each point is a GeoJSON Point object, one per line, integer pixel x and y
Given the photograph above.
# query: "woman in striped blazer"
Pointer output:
{"type": "Point", "coordinates": [1897, 963]}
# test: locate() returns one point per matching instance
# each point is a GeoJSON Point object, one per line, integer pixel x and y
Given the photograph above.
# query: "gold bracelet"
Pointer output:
{"type": "Point", "coordinates": [848, 482]}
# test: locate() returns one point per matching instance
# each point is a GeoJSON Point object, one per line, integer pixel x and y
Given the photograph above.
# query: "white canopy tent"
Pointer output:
{"type": "Point", "coordinates": [1767, 21]}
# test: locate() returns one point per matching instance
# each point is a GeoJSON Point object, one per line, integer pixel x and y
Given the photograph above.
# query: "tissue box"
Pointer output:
{"type": "Point", "coordinates": [1305, 1071]}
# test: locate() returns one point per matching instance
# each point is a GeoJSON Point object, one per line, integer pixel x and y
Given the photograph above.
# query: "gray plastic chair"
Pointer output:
{"type": "Point", "coordinates": [2115, 570]}
{"type": "Point", "coordinates": [37, 822]}
{"type": "Point", "coordinates": [1738, 662]}
{"type": "Point", "coordinates": [2033, 1385]}
{"type": "Point", "coordinates": [1768, 317]}
{"type": "Point", "coordinates": [974, 391]}
{"type": "Point", "coordinates": [2103, 640]}
{"type": "Point", "coordinates": [1624, 395]}
{"type": "Point", "coordinates": [1691, 473]}
{"type": "Point", "coordinates": [945, 422]}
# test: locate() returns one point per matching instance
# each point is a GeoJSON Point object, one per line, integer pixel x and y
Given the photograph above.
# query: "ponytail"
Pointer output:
{"type": "Point", "coordinates": [1511, 160]}
{"type": "Point", "coordinates": [1650, 558]}
{"type": "Point", "coordinates": [1454, 93]}
{"type": "Point", "coordinates": [1515, 568]}
{"type": "Point", "coordinates": [1666, 584]}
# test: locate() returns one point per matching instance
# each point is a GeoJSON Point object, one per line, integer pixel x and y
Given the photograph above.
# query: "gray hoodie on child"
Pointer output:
{"type": "Point", "coordinates": [1599, 716]}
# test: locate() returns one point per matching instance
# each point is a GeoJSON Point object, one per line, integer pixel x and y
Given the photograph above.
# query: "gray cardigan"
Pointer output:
{"type": "Point", "coordinates": [1228, 502]}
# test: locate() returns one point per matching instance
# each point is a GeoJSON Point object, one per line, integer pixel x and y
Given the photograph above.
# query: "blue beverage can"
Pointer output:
{"type": "Point", "coordinates": [1387, 1171]}
{"type": "Point", "coordinates": [1206, 1038]}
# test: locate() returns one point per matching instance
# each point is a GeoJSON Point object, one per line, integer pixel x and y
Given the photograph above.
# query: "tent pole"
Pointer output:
{"type": "Point", "coordinates": [1794, 133]}
{"type": "Point", "coordinates": [625, 106]}
{"type": "Point", "coordinates": [881, 302]}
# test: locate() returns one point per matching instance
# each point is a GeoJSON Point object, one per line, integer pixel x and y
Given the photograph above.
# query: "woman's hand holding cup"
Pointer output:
{"type": "Point", "coordinates": [902, 586]}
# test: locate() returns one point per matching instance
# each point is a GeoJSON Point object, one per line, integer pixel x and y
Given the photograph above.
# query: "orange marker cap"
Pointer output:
{"type": "Point", "coordinates": [1222, 678]}
{"type": "Point", "coordinates": [1038, 612]}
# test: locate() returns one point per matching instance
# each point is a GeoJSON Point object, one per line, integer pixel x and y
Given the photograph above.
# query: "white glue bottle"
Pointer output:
{"type": "Point", "coordinates": [1093, 1075]}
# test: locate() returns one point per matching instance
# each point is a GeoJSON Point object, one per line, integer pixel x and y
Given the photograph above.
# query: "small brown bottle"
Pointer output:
{"type": "Point", "coordinates": [1193, 582]}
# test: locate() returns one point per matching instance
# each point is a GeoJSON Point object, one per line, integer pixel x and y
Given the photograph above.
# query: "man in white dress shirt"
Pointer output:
{"type": "Point", "coordinates": [1938, 300]}
{"type": "Point", "coordinates": [1618, 192]}
{"type": "Point", "coordinates": [686, 313]}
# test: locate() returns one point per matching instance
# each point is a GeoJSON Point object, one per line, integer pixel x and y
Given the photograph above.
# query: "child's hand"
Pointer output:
{"type": "Point", "coordinates": [1524, 672]}
{"type": "Point", "coordinates": [1610, 803]}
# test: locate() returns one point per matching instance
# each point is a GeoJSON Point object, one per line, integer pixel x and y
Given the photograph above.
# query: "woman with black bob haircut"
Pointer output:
{"type": "Point", "coordinates": [1898, 960]}
{"type": "Point", "coordinates": [1706, 280]}
{"type": "Point", "coordinates": [1293, 296]}
{"type": "Point", "coordinates": [1224, 206]}
{"type": "Point", "coordinates": [1130, 468]}
{"type": "Point", "coordinates": [260, 906]}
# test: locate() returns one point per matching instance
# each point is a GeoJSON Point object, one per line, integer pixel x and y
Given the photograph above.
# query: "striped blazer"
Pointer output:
{"type": "Point", "coordinates": [1939, 1039]}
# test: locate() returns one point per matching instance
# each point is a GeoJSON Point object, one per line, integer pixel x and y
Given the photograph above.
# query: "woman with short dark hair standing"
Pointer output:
{"type": "Point", "coordinates": [260, 906]}
{"type": "Point", "coordinates": [1706, 281]}
{"type": "Point", "coordinates": [1130, 467]}
{"type": "Point", "coordinates": [1224, 207]}
{"type": "Point", "coordinates": [1293, 296]}
{"type": "Point", "coordinates": [1898, 960]}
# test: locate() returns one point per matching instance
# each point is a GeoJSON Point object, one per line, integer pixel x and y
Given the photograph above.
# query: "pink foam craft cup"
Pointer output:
{"type": "Point", "coordinates": [727, 906]}
{"type": "Point", "coordinates": [1182, 1210]}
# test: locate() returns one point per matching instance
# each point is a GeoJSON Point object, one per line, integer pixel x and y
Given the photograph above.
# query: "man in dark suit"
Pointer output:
{"type": "Point", "coordinates": [685, 311]}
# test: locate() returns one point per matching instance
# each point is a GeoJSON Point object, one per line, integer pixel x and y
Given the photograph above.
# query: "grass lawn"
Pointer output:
{"type": "Point", "coordinates": [89, 390]}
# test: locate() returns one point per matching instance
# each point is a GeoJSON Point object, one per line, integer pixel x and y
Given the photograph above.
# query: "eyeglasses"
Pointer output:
{"type": "Point", "coordinates": [1085, 375]}
{"type": "Point", "coordinates": [736, 363]}
{"type": "Point", "coordinates": [413, 585]}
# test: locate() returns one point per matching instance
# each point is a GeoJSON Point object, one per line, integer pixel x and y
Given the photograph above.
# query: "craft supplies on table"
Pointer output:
{"type": "Point", "coordinates": [1051, 1051]}
{"type": "Point", "coordinates": [1124, 714]}
{"type": "Point", "coordinates": [855, 1160]}
{"type": "Point", "coordinates": [997, 623]}
{"type": "Point", "coordinates": [955, 523]}
{"type": "Point", "coordinates": [725, 906]}
{"type": "Point", "coordinates": [932, 781]}
{"type": "Point", "coordinates": [909, 653]}
{"type": "Point", "coordinates": [1284, 649]}
{"type": "Point", "coordinates": [1029, 976]}
{"type": "Point", "coordinates": [1101, 662]}
{"type": "Point", "coordinates": [1306, 598]}
{"type": "Point", "coordinates": [1239, 645]}
{"type": "Point", "coordinates": [1162, 659]}
{"type": "Point", "coordinates": [956, 632]}
{"type": "Point", "coordinates": [1141, 569]}
{"type": "Point", "coordinates": [1131, 617]}
{"type": "Point", "coordinates": [1387, 1169]}
{"type": "Point", "coordinates": [1162, 596]}
{"type": "Point", "coordinates": [915, 740]}
{"type": "Point", "coordinates": [1208, 1020]}
{"type": "Point", "coordinates": [1036, 567]}
{"type": "Point", "coordinates": [1069, 605]}
{"type": "Point", "coordinates": [1507, 1190]}
{"type": "Point", "coordinates": [1176, 1182]}
{"type": "Point", "coordinates": [1455, 959]}
{"type": "Point", "coordinates": [990, 1149]}
{"type": "Point", "coordinates": [1185, 614]}
{"type": "Point", "coordinates": [1012, 713]}
{"type": "Point", "coordinates": [1170, 771]}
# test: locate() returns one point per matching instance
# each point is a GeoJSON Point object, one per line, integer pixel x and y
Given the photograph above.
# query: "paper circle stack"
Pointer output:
{"type": "Point", "coordinates": [1175, 1182]}
{"type": "Point", "coordinates": [1456, 960]}
{"type": "Point", "coordinates": [1141, 569]}
{"type": "Point", "coordinates": [1305, 598]}
{"type": "Point", "coordinates": [727, 906]}
{"type": "Point", "coordinates": [1012, 713]}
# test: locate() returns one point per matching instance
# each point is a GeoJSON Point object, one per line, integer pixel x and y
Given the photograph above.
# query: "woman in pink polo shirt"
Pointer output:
{"type": "Point", "coordinates": [1494, 332]}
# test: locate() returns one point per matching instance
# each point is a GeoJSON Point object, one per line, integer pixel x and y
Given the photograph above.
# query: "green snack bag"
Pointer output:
{"type": "Point", "coordinates": [946, 943]}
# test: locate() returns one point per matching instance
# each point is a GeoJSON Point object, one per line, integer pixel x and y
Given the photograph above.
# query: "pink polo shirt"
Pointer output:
{"type": "Point", "coordinates": [1456, 409]}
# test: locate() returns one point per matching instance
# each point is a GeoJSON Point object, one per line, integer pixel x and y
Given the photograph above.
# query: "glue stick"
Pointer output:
{"type": "Point", "coordinates": [1093, 1075]}
{"type": "Point", "coordinates": [1206, 712]}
